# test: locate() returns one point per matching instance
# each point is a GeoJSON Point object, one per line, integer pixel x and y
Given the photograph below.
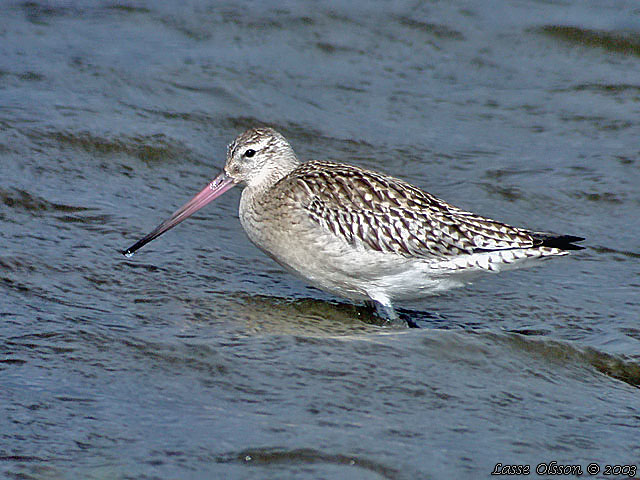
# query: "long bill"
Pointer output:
{"type": "Point", "coordinates": [217, 187]}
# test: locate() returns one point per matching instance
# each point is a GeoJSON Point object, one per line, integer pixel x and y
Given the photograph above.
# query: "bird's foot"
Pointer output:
{"type": "Point", "coordinates": [387, 314]}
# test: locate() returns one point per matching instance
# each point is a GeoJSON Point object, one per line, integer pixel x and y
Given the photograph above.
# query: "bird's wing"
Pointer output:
{"type": "Point", "coordinates": [386, 214]}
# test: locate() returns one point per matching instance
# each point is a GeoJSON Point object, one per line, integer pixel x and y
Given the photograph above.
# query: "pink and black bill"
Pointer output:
{"type": "Point", "coordinates": [217, 187]}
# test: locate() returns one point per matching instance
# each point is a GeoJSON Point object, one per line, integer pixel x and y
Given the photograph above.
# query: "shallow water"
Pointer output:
{"type": "Point", "coordinates": [199, 357]}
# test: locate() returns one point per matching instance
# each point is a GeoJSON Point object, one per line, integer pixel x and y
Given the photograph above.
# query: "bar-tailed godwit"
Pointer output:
{"type": "Point", "coordinates": [360, 234]}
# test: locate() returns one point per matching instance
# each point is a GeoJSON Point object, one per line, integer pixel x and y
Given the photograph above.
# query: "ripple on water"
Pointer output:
{"type": "Point", "coordinates": [613, 41]}
{"type": "Point", "coordinates": [147, 148]}
{"type": "Point", "coordinates": [298, 457]}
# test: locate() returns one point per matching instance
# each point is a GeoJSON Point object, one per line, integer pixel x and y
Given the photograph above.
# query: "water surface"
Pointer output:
{"type": "Point", "coordinates": [199, 357]}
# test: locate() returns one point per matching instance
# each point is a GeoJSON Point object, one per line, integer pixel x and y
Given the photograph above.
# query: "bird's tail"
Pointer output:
{"type": "Point", "coordinates": [563, 242]}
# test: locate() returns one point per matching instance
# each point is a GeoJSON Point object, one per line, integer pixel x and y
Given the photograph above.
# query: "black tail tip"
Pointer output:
{"type": "Point", "coordinates": [563, 242]}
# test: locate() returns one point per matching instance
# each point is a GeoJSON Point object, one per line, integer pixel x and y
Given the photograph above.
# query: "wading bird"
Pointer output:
{"type": "Point", "coordinates": [360, 234]}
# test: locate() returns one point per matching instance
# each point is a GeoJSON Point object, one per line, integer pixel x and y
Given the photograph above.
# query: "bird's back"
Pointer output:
{"type": "Point", "coordinates": [386, 214]}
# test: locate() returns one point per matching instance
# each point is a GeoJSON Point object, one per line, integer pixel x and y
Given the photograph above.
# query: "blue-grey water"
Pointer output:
{"type": "Point", "coordinates": [199, 357]}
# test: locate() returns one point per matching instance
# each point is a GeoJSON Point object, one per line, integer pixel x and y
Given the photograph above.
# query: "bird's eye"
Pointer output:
{"type": "Point", "coordinates": [250, 153]}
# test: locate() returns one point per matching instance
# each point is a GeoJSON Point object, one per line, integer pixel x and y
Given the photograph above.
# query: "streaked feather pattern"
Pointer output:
{"type": "Point", "coordinates": [389, 215]}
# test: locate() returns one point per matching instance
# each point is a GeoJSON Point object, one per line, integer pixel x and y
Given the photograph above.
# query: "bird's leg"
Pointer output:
{"type": "Point", "coordinates": [386, 312]}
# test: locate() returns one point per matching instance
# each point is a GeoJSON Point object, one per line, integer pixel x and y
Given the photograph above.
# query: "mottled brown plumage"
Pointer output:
{"type": "Point", "coordinates": [390, 215]}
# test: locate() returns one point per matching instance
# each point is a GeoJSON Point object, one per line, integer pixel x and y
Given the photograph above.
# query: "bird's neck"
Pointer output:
{"type": "Point", "coordinates": [271, 174]}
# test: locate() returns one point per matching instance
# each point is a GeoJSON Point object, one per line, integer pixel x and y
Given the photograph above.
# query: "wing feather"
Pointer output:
{"type": "Point", "coordinates": [389, 215]}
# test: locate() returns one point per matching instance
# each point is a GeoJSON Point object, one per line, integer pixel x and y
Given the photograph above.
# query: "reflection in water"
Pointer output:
{"type": "Point", "coordinates": [257, 314]}
{"type": "Point", "coordinates": [308, 316]}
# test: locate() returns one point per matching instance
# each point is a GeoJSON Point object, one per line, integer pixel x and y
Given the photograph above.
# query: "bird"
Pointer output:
{"type": "Point", "coordinates": [357, 233]}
